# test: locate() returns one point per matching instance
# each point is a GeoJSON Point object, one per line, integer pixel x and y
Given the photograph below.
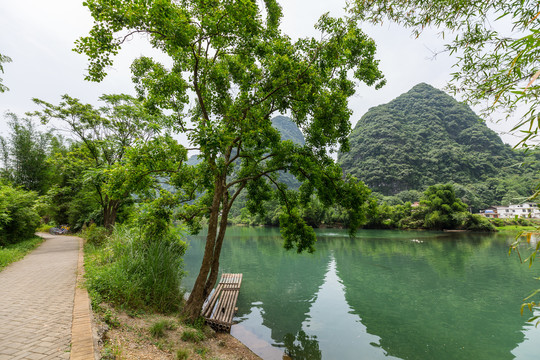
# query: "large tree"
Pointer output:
{"type": "Point", "coordinates": [24, 154]}
{"type": "Point", "coordinates": [497, 43]}
{"type": "Point", "coordinates": [114, 150]}
{"type": "Point", "coordinates": [231, 69]}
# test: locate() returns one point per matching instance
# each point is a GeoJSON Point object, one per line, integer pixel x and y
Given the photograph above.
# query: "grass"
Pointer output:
{"type": "Point", "coordinates": [192, 336]}
{"type": "Point", "coordinates": [202, 351]}
{"type": "Point", "coordinates": [158, 328]}
{"type": "Point", "coordinates": [111, 319]}
{"type": "Point", "coordinates": [514, 228]}
{"type": "Point", "coordinates": [13, 252]}
{"type": "Point", "coordinates": [44, 228]}
{"type": "Point", "coordinates": [182, 354]}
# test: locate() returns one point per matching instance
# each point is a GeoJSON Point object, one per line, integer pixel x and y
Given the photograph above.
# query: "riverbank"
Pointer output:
{"type": "Point", "coordinates": [155, 336]}
{"type": "Point", "coordinates": [137, 315]}
{"type": "Point", "coordinates": [518, 228]}
{"type": "Point", "coordinates": [504, 228]}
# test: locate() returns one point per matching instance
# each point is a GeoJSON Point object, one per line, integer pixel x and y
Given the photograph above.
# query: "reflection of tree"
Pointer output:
{"type": "Point", "coordinates": [437, 248]}
{"type": "Point", "coordinates": [408, 294]}
{"type": "Point", "coordinates": [302, 347]}
{"type": "Point", "coordinates": [285, 283]}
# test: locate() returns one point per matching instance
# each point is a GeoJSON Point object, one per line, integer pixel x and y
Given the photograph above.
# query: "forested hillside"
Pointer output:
{"type": "Point", "coordinates": [288, 129]}
{"type": "Point", "coordinates": [425, 137]}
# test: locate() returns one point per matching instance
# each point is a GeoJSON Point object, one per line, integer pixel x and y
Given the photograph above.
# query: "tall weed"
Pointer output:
{"type": "Point", "coordinates": [134, 270]}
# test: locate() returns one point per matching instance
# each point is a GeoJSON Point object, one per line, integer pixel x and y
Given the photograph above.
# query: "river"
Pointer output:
{"type": "Point", "coordinates": [380, 295]}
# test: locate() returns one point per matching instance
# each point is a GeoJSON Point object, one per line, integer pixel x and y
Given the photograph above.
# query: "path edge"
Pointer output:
{"type": "Point", "coordinates": [82, 339]}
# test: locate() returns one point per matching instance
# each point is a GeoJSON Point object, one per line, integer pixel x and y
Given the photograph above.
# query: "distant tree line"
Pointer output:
{"type": "Point", "coordinates": [438, 208]}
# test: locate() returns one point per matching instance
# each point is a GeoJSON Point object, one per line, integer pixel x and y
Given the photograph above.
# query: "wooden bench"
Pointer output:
{"type": "Point", "coordinates": [220, 306]}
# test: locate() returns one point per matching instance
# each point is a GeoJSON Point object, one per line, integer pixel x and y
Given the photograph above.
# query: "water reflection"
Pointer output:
{"type": "Point", "coordinates": [443, 296]}
{"type": "Point", "coordinates": [332, 321]}
{"type": "Point", "coordinates": [529, 349]}
{"type": "Point", "coordinates": [302, 347]}
{"type": "Point", "coordinates": [285, 284]}
{"type": "Point", "coordinates": [450, 299]}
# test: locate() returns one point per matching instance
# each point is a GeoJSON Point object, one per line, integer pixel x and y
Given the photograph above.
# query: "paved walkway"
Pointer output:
{"type": "Point", "coordinates": [36, 301]}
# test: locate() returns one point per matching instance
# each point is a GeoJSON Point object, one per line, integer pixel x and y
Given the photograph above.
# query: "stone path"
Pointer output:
{"type": "Point", "coordinates": [36, 301]}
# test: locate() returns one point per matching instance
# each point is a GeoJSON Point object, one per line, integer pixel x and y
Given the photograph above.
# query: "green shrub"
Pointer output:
{"type": "Point", "coordinates": [497, 222]}
{"type": "Point", "coordinates": [136, 271]}
{"type": "Point", "coordinates": [475, 222]}
{"type": "Point", "coordinates": [96, 235]}
{"type": "Point", "coordinates": [18, 218]}
{"type": "Point", "coordinates": [524, 222]}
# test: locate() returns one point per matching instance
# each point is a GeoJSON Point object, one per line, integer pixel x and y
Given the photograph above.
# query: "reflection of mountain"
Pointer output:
{"type": "Point", "coordinates": [422, 313]}
{"type": "Point", "coordinates": [339, 330]}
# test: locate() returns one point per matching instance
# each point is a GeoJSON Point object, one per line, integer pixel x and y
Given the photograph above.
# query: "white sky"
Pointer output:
{"type": "Point", "coordinates": [39, 35]}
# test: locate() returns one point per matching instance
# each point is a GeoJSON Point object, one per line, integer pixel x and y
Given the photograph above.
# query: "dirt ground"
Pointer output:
{"type": "Point", "coordinates": [122, 336]}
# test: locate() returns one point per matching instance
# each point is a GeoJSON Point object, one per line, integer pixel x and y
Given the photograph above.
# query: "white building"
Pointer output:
{"type": "Point", "coordinates": [526, 210]}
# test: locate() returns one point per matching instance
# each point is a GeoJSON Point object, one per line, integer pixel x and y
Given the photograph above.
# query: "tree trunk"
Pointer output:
{"type": "Point", "coordinates": [217, 247]}
{"type": "Point", "coordinates": [200, 291]}
{"type": "Point", "coordinates": [109, 213]}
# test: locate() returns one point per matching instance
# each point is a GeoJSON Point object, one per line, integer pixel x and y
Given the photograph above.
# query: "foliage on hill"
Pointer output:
{"type": "Point", "coordinates": [425, 137]}
{"type": "Point", "coordinates": [439, 209]}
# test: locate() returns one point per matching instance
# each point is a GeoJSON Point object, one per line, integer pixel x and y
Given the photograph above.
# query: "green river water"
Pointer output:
{"type": "Point", "coordinates": [381, 295]}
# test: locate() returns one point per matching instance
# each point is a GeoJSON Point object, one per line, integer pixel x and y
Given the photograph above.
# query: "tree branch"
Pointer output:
{"type": "Point", "coordinates": [284, 196]}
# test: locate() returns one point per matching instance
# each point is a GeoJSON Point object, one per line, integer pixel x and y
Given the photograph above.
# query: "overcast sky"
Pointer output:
{"type": "Point", "coordinates": [39, 37]}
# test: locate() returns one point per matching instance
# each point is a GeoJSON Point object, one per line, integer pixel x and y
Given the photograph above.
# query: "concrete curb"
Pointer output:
{"type": "Point", "coordinates": [82, 340]}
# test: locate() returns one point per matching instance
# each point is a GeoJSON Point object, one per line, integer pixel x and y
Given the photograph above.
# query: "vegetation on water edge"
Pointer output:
{"type": "Point", "coordinates": [134, 271]}
{"type": "Point", "coordinates": [439, 208]}
{"type": "Point", "coordinates": [516, 224]}
{"type": "Point", "coordinates": [514, 228]}
{"type": "Point", "coordinates": [13, 252]}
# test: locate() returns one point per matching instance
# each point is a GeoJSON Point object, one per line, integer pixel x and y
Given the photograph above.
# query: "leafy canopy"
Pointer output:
{"type": "Point", "coordinates": [18, 218]}
{"type": "Point", "coordinates": [232, 68]}
{"type": "Point", "coordinates": [24, 154]}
